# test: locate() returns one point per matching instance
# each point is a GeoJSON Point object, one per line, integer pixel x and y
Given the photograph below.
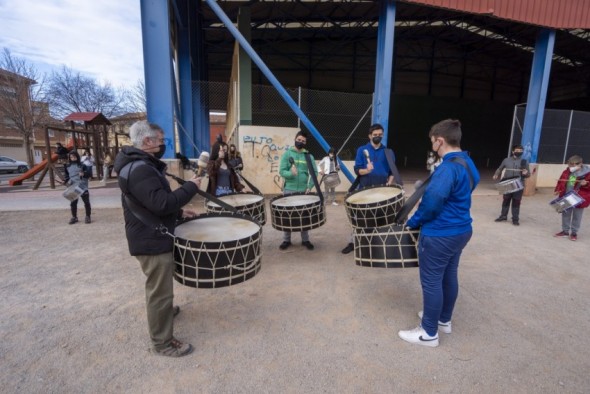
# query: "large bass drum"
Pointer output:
{"type": "Point", "coordinates": [297, 212]}
{"type": "Point", "coordinates": [248, 204]}
{"type": "Point", "coordinates": [374, 206]}
{"type": "Point", "coordinates": [386, 247]}
{"type": "Point", "coordinates": [217, 250]}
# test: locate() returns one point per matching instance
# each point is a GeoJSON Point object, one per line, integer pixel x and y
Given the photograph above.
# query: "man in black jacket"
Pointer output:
{"type": "Point", "coordinates": [147, 201]}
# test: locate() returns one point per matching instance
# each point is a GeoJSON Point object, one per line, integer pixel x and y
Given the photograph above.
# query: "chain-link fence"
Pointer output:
{"type": "Point", "coordinates": [343, 119]}
{"type": "Point", "coordinates": [564, 133]}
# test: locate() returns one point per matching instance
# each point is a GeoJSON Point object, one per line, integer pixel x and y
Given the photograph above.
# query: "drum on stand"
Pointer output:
{"type": "Point", "coordinates": [374, 206]}
{"type": "Point", "coordinates": [569, 200]}
{"type": "Point", "coordinates": [510, 186]}
{"type": "Point", "coordinates": [246, 203]}
{"type": "Point", "coordinates": [217, 250]}
{"type": "Point", "coordinates": [297, 212]}
{"type": "Point", "coordinates": [386, 247]}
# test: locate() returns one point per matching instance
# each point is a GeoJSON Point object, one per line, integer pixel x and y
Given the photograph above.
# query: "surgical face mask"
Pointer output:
{"type": "Point", "coordinates": [376, 140]}
{"type": "Point", "coordinates": [517, 154]}
{"type": "Point", "coordinates": [160, 153]}
{"type": "Point", "coordinates": [573, 169]}
{"type": "Point", "coordinates": [299, 144]}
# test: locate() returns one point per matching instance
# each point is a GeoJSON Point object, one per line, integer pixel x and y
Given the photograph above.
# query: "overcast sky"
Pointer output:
{"type": "Point", "coordinates": [99, 38]}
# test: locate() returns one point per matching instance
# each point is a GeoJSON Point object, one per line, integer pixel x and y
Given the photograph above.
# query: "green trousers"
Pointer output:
{"type": "Point", "coordinates": [159, 295]}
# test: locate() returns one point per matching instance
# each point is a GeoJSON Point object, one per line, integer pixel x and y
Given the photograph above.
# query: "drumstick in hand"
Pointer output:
{"type": "Point", "coordinates": [293, 168]}
{"type": "Point", "coordinates": [369, 164]}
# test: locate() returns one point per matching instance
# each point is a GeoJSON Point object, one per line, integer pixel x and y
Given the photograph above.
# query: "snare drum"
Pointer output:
{"type": "Point", "coordinates": [510, 186]}
{"type": "Point", "coordinates": [569, 200]}
{"type": "Point", "coordinates": [386, 247]}
{"type": "Point", "coordinates": [217, 250]}
{"type": "Point", "coordinates": [246, 203]}
{"type": "Point", "coordinates": [73, 192]}
{"type": "Point", "coordinates": [297, 212]}
{"type": "Point", "coordinates": [332, 180]}
{"type": "Point", "coordinates": [374, 206]}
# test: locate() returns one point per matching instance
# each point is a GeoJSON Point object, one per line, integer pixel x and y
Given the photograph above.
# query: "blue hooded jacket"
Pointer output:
{"type": "Point", "coordinates": [444, 209]}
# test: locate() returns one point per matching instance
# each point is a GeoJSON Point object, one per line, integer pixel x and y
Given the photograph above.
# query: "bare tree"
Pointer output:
{"type": "Point", "coordinates": [70, 91]}
{"type": "Point", "coordinates": [136, 98]}
{"type": "Point", "coordinates": [22, 98]}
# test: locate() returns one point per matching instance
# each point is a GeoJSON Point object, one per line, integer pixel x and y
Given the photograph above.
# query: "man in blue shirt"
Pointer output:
{"type": "Point", "coordinates": [444, 219]}
{"type": "Point", "coordinates": [373, 170]}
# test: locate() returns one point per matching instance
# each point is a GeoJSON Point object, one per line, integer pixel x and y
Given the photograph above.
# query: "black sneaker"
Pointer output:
{"type": "Point", "coordinates": [284, 245]}
{"type": "Point", "coordinates": [175, 311]}
{"type": "Point", "coordinates": [349, 248]}
{"type": "Point", "coordinates": [175, 349]}
{"type": "Point", "coordinates": [87, 220]}
{"type": "Point", "coordinates": [73, 220]}
{"type": "Point", "coordinates": [515, 222]}
{"type": "Point", "coordinates": [308, 245]}
{"type": "Point", "coordinates": [501, 219]}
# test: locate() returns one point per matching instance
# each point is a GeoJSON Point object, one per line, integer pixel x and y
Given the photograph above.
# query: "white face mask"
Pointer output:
{"type": "Point", "coordinates": [573, 169]}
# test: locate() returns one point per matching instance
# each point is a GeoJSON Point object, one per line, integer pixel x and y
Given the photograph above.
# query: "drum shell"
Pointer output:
{"type": "Point", "coordinates": [386, 247]}
{"type": "Point", "coordinates": [302, 217]}
{"type": "Point", "coordinates": [73, 192]}
{"type": "Point", "coordinates": [510, 186]}
{"type": "Point", "coordinates": [332, 180]}
{"type": "Point", "coordinates": [376, 214]}
{"type": "Point", "coordinates": [206, 264]}
{"type": "Point", "coordinates": [256, 210]}
{"type": "Point", "coordinates": [569, 200]}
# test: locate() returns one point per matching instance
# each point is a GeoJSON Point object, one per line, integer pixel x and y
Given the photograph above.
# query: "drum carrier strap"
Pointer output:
{"type": "Point", "coordinates": [250, 185]}
{"type": "Point", "coordinates": [208, 196]}
{"type": "Point", "coordinates": [314, 178]}
{"type": "Point", "coordinates": [403, 213]}
{"type": "Point", "coordinates": [392, 168]}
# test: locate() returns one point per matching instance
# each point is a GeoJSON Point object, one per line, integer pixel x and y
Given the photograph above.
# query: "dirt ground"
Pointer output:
{"type": "Point", "coordinates": [73, 314]}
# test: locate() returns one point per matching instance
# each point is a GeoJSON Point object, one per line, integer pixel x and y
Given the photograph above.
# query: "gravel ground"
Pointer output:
{"type": "Point", "coordinates": [73, 314]}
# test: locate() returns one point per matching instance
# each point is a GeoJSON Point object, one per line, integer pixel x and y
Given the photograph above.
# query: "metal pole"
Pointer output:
{"type": "Point", "coordinates": [567, 139]}
{"type": "Point", "coordinates": [299, 105]}
{"type": "Point", "coordinates": [353, 130]}
{"type": "Point", "coordinates": [512, 133]}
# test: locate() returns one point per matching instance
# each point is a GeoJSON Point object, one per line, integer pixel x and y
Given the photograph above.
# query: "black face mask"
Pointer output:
{"type": "Point", "coordinates": [517, 154]}
{"type": "Point", "coordinates": [299, 144]}
{"type": "Point", "coordinates": [159, 154]}
{"type": "Point", "coordinates": [376, 140]}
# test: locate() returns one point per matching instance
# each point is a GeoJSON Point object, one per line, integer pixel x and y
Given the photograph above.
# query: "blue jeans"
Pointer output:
{"type": "Point", "coordinates": [439, 263]}
{"type": "Point", "coordinates": [222, 191]}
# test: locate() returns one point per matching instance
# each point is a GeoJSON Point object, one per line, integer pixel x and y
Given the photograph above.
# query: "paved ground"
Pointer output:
{"type": "Point", "coordinates": [72, 316]}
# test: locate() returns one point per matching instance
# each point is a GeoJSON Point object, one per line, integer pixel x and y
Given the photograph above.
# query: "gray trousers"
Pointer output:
{"type": "Point", "coordinates": [287, 234]}
{"type": "Point", "coordinates": [571, 220]}
{"type": "Point", "coordinates": [330, 194]}
{"type": "Point", "coordinates": [159, 295]}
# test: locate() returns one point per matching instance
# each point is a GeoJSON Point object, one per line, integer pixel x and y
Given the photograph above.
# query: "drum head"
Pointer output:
{"type": "Point", "coordinates": [237, 200]}
{"type": "Point", "coordinates": [373, 195]}
{"type": "Point", "coordinates": [217, 229]}
{"type": "Point", "coordinates": [295, 200]}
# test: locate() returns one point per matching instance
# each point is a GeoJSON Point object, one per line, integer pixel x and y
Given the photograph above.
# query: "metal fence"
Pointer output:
{"type": "Point", "coordinates": [343, 119]}
{"type": "Point", "coordinates": [564, 133]}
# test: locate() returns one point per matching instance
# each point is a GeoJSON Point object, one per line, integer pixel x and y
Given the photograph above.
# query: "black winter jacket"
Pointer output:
{"type": "Point", "coordinates": [142, 177]}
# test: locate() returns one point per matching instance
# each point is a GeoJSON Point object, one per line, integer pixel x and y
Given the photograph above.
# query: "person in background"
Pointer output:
{"type": "Point", "coordinates": [444, 220]}
{"type": "Point", "coordinates": [61, 152]}
{"type": "Point", "coordinates": [432, 161]}
{"type": "Point", "coordinates": [329, 165]}
{"type": "Point", "coordinates": [293, 168]}
{"type": "Point", "coordinates": [235, 158]}
{"type": "Point", "coordinates": [514, 167]}
{"type": "Point", "coordinates": [146, 191]}
{"type": "Point", "coordinates": [107, 163]}
{"type": "Point", "coordinates": [88, 160]}
{"type": "Point", "coordinates": [77, 173]}
{"type": "Point", "coordinates": [222, 177]}
{"type": "Point", "coordinates": [575, 177]}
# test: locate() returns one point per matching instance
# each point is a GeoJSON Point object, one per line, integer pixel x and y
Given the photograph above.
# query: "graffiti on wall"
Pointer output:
{"type": "Point", "coordinates": [263, 148]}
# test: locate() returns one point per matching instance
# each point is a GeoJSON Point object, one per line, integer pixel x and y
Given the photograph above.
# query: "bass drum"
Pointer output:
{"type": "Point", "coordinates": [386, 247]}
{"type": "Point", "coordinates": [217, 250]}
{"type": "Point", "coordinates": [248, 204]}
{"type": "Point", "coordinates": [297, 212]}
{"type": "Point", "coordinates": [374, 206]}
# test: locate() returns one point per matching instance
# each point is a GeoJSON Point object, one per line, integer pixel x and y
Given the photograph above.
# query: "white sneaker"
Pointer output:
{"type": "Point", "coordinates": [419, 337]}
{"type": "Point", "coordinates": [444, 327]}
{"type": "Point", "coordinates": [334, 203]}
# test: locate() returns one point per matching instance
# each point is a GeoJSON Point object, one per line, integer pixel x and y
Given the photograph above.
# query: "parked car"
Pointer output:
{"type": "Point", "coordinates": [10, 165]}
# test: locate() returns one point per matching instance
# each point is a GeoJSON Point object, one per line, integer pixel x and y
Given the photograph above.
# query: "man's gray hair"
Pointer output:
{"type": "Point", "coordinates": [142, 129]}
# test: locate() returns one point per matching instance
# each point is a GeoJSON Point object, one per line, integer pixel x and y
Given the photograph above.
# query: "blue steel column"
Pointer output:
{"type": "Point", "coordinates": [273, 80]}
{"type": "Point", "coordinates": [533, 118]}
{"type": "Point", "coordinates": [200, 89]}
{"type": "Point", "coordinates": [185, 127]}
{"type": "Point", "coordinates": [384, 69]}
{"type": "Point", "coordinates": [157, 54]}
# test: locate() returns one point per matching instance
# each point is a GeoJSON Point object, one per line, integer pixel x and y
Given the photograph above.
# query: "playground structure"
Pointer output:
{"type": "Point", "coordinates": [93, 136]}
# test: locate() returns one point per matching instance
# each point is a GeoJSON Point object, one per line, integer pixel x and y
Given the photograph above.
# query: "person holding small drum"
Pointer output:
{"type": "Point", "coordinates": [444, 220]}
{"type": "Point", "coordinates": [371, 166]}
{"type": "Point", "coordinates": [78, 173]}
{"type": "Point", "coordinates": [329, 165]}
{"type": "Point", "coordinates": [513, 167]}
{"type": "Point", "coordinates": [150, 205]}
{"type": "Point", "coordinates": [576, 178]}
{"type": "Point", "coordinates": [222, 176]}
{"type": "Point", "coordinates": [293, 168]}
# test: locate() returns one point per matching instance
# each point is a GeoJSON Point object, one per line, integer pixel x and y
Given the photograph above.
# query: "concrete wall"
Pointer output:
{"type": "Point", "coordinates": [548, 174]}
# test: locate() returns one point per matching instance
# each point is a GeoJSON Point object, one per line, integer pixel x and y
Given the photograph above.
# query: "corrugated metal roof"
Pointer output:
{"type": "Point", "coordinates": [88, 117]}
{"type": "Point", "coordinates": [557, 14]}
